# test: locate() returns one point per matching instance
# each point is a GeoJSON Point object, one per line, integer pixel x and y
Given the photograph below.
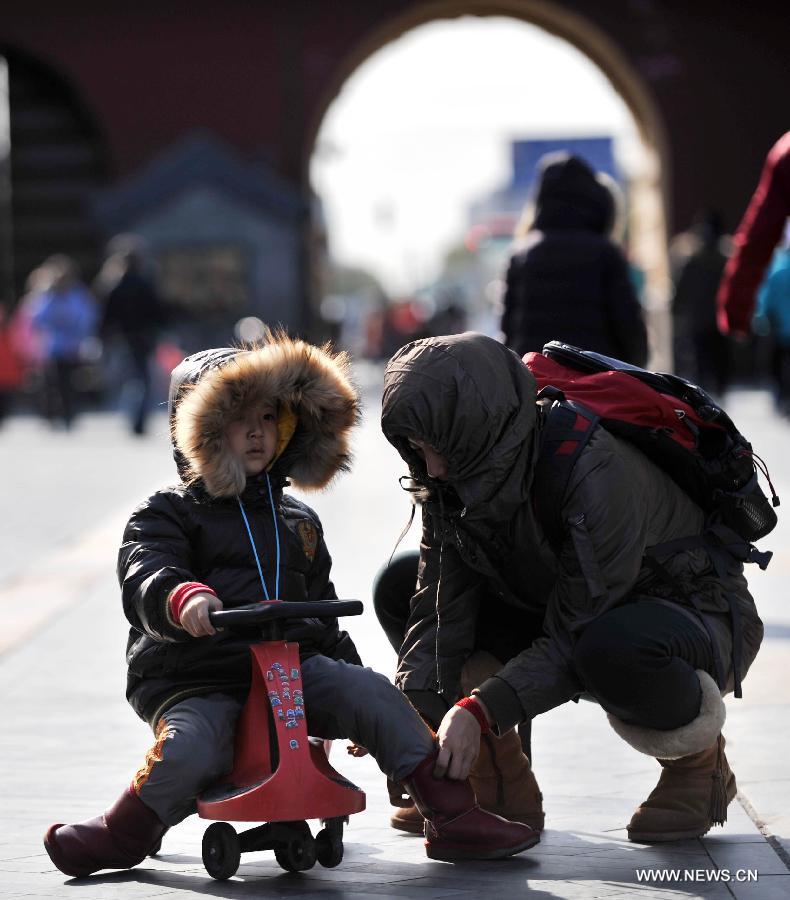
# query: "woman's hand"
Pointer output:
{"type": "Point", "coordinates": [459, 743]}
{"type": "Point", "coordinates": [194, 614]}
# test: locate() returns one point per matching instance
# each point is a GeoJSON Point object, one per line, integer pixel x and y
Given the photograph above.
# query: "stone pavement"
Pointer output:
{"type": "Point", "coordinates": [69, 742]}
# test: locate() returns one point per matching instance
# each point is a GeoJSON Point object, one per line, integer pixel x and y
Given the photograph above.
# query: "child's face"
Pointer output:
{"type": "Point", "coordinates": [254, 438]}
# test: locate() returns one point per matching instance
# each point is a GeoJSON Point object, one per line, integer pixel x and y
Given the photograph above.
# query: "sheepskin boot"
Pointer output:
{"type": "Point", "coordinates": [502, 777]}
{"type": "Point", "coordinates": [455, 826]}
{"type": "Point", "coordinates": [406, 816]}
{"type": "Point", "coordinates": [691, 797]}
{"type": "Point", "coordinates": [120, 838]}
{"type": "Point", "coordinates": [696, 783]}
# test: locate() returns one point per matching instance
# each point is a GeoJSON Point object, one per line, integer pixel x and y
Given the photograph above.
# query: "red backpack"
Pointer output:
{"type": "Point", "coordinates": [678, 426]}
{"type": "Point", "coordinates": [672, 421]}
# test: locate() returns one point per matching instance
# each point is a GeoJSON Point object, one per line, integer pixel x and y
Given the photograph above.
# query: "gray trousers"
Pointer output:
{"type": "Point", "coordinates": [194, 739]}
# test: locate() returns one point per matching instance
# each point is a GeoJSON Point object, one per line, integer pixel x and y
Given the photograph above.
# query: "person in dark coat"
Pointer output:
{"type": "Point", "coordinates": [569, 281]}
{"type": "Point", "coordinates": [133, 316]}
{"type": "Point", "coordinates": [701, 351]}
{"type": "Point", "coordinates": [497, 616]}
{"type": "Point", "coordinates": [243, 420]}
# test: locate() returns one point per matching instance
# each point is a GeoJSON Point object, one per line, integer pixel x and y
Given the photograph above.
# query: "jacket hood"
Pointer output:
{"type": "Point", "coordinates": [473, 400]}
{"type": "Point", "coordinates": [311, 384]}
{"type": "Point", "coordinates": [572, 196]}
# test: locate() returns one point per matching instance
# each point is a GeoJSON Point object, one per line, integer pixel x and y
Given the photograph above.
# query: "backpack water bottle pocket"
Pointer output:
{"type": "Point", "coordinates": [747, 511]}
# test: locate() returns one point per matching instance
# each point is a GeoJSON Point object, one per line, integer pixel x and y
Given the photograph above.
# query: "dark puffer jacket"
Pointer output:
{"type": "Point", "coordinates": [195, 531]}
{"type": "Point", "coordinates": [570, 282]}
{"type": "Point", "coordinates": [474, 401]}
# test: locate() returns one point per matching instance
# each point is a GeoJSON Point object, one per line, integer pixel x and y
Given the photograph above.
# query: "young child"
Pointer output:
{"type": "Point", "coordinates": [243, 420]}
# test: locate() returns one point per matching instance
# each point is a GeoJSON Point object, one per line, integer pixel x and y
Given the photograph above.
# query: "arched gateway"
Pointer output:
{"type": "Point", "coordinates": [233, 93]}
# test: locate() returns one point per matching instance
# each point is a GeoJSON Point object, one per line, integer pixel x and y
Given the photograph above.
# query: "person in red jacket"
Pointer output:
{"type": "Point", "coordinates": [759, 232]}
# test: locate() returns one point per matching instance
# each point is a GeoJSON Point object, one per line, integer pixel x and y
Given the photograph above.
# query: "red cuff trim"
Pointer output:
{"type": "Point", "coordinates": [471, 705]}
{"type": "Point", "coordinates": [183, 593]}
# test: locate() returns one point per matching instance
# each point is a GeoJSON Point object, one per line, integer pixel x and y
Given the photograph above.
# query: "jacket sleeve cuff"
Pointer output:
{"type": "Point", "coordinates": [430, 705]}
{"type": "Point", "coordinates": [502, 703]}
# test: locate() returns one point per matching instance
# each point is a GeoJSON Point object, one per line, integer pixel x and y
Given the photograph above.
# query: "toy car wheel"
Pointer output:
{"type": "Point", "coordinates": [298, 855]}
{"type": "Point", "coordinates": [221, 851]}
{"type": "Point", "coordinates": [329, 848]}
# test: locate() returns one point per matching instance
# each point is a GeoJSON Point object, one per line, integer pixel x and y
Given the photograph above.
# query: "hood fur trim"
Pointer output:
{"type": "Point", "coordinates": [698, 735]}
{"type": "Point", "coordinates": [311, 381]}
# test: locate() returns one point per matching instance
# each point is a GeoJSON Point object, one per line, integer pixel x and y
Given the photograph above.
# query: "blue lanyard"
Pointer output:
{"type": "Point", "coordinates": [255, 551]}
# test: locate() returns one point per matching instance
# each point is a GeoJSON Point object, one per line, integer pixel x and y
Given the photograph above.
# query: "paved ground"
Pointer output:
{"type": "Point", "coordinates": [69, 742]}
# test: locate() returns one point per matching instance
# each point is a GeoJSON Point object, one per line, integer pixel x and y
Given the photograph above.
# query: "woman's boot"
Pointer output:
{"type": "Point", "coordinates": [504, 783]}
{"type": "Point", "coordinates": [691, 796]}
{"type": "Point", "coordinates": [120, 838]}
{"type": "Point", "coordinates": [455, 826]}
{"type": "Point", "coordinates": [502, 777]}
{"type": "Point", "coordinates": [406, 816]}
{"type": "Point", "coordinates": [696, 783]}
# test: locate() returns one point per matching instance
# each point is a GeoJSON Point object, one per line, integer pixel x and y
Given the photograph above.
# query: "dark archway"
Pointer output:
{"type": "Point", "coordinates": [57, 160]}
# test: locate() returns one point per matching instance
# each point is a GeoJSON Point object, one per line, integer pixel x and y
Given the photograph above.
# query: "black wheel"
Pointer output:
{"type": "Point", "coordinates": [154, 851]}
{"type": "Point", "coordinates": [298, 855]}
{"type": "Point", "coordinates": [329, 848]}
{"type": "Point", "coordinates": [221, 851]}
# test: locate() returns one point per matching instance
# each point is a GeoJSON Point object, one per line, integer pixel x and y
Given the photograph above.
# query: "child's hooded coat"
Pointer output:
{"type": "Point", "coordinates": [195, 531]}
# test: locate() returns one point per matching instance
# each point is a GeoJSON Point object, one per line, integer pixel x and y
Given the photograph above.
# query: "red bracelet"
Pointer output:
{"type": "Point", "coordinates": [183, 593]}
{"type": "Point", "coordinates": [471, 705]}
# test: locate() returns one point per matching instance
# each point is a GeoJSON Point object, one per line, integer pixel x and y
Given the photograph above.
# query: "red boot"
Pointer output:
{"type": "Point", "coordinates": [120, 838]}
{"type": "Point", "coordinates": [455, 826]}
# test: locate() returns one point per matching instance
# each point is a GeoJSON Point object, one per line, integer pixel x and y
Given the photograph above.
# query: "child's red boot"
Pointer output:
{"type": "Point", "coordinates": [120, 838]}
{"type": "Point", "coordinates": [455, 827]}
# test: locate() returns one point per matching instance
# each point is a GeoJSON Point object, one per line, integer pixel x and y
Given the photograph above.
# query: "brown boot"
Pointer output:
{"type": "Point", "coordinates": [696, 784]}
{"type": "Point", "coordinates": [502, 777]}
{"type": "Point", "coordinates": [456, 828]}
{"type": "Point", "coordinates": [408, 818]}
{"type": "Point", "coordinates": [691, 796]}
{"type": "Point", "coordinates": [120, 838]}
{"type": "Point", "coordinates": [504, 783]}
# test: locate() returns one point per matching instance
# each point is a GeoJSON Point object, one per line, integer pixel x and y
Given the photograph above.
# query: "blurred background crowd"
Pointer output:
{"type": "Point", "coordinates": [572, 182]}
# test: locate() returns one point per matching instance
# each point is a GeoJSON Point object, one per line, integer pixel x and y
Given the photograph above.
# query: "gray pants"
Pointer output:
{"type": "Point", "coordinates": [194, 745]}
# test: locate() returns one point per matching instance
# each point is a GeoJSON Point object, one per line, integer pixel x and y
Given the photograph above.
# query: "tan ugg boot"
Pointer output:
{"type": "Point", "coordinates": [691, 796]}
{"type": "Point", "coordinates": [504, 783]}
{"type": "Point", "coordinates": [696, 783]}
{"type": "Point", "coordinates": [408, 819]}
{"type": "Point", "coordinates": [502, 776]}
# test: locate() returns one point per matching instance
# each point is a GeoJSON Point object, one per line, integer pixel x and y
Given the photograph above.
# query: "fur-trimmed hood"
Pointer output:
{"type": "Point", "coordinates": [211, 389]}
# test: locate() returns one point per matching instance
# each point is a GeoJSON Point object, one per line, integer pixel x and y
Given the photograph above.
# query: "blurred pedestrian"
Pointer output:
{"type": "Point", "coordinates": [63, 317]}
{"type": "Point", "coordinates": [11, 369]}
{"type": "Point", "coordinates": [757, 236]}
{"type": "Point", "coordinates": [568, 280]}
{"type": "Point", "coordinates": [773, 305]}
{"type": "Point", "coordinates": [701, 351]}
{"type": "Point", "coordinates": [132, 318]}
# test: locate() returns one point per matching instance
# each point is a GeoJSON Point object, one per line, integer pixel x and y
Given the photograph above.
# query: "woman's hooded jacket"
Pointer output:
{"type": "Point", "coordinates": [196, 531]}
{"type": "Point", "coordinates": [569, 281]}
{"type": "Point", "coordinates": [473, 400]}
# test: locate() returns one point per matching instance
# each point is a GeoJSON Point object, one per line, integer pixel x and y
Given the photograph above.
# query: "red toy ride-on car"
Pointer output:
{"type": "Point", "coordinates": [280, 776]}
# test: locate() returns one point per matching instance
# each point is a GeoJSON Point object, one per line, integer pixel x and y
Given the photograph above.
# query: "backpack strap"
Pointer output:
{"type": "Point", "coordinates": [567, 429]}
